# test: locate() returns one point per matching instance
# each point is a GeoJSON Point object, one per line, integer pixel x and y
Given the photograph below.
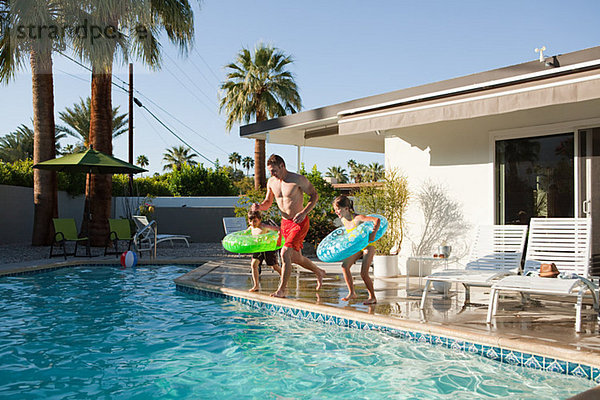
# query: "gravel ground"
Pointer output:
{"type": "Point", "coordinates": [20, 252]}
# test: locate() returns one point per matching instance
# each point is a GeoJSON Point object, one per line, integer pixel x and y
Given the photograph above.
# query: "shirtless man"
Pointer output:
{"type": "Point", "coordinates": [287, 189]}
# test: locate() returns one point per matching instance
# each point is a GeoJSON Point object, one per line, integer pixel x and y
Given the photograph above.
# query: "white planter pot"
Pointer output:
{"type": "Point", "coordinates": [412, 267]}
{"type": "Point", "coordinates": [385, 266]}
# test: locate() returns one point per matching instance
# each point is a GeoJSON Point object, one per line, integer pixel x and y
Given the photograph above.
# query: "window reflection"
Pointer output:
{"type": "Point", "coordinates": [534, 178]}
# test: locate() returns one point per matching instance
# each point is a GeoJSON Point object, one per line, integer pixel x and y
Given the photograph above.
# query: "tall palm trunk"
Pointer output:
{"type": "Point", "coordinates": [99, 187]}
{"type": "Point", "coordinates": [44, 148]}
{"type": "Point", "coordinates": [260, 178]}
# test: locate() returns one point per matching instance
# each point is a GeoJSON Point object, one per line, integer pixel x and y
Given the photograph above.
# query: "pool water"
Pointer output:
{"type": "Point", "coordinates": [106, 333]}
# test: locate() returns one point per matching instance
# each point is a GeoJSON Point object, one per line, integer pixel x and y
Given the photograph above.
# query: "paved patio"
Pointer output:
{"type": "Point", "coordinates": [540, 327]}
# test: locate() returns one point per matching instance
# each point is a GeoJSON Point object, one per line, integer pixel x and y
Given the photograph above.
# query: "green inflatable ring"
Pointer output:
{"type": "Point", "coordinates": [245, 242]}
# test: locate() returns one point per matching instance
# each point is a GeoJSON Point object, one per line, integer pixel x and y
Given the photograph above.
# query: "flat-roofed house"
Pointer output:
{"type": "Point", "coordinates": [510, 143]}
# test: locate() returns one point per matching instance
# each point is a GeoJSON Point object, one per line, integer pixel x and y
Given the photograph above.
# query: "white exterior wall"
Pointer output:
{"type": "Point", "coordinates": [469, 182]}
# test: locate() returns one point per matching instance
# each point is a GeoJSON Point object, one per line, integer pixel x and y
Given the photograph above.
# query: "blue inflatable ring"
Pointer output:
{"type": "Point", "coordinates": [245, 242]}
{"type": "Point", "coordinates": [341, 244]}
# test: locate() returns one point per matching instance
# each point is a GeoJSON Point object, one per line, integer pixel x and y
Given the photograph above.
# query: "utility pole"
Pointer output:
{"type": "Point", "coordinates": [131, 126]}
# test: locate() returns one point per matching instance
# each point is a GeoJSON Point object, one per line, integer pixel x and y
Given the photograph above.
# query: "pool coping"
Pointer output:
{"type": "Point", "coordinates": [508, 349]}
{"type": "Point", "coordinates": [505, 349]}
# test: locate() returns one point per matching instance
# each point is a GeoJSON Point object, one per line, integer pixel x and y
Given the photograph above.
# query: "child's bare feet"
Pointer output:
{"type": "Point", "coordinates": [370, 301]}
{"type": "Point", "coordinates": [254, 289]}
{"type": "Point", "coordinates": [350, 296]}
{"type": "Point", "coordinates": [320, 275]}
{"type": "Point", "coordinates": [279, 293]}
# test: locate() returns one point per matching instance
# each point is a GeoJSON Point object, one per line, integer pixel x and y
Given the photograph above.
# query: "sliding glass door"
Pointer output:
{"type": "Point", "coordinates": [534, 178]}
{"type": "Point", "coordinates": [588, 165]}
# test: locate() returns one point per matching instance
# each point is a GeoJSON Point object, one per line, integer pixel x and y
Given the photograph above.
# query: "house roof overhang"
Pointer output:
{"type": "Point", "coordinates": [361, 124]}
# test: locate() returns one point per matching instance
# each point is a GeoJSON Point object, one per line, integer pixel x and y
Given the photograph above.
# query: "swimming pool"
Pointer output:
{"type": "Point", "coordinates": [102, 332]}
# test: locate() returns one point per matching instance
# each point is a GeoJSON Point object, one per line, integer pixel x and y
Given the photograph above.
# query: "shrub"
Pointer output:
{"type": "Point", "coordinates": [200, 181]}
{"type": "Point", "coordinates": [390, 199]}
{"type": "Point", "coordinates": [72, 182]}
{"type": "Point", "coordinates": [256, 196]}
{"type": "Point", "coordinates": [143, 186]}
{"type": "Point", "coordinates": [18, 173]}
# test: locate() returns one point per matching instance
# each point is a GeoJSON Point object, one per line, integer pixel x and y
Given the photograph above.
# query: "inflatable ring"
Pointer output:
{"type": "Point", "coordinates": [245, 242]}
{"type": "Point", "coordinates": [341, 244]}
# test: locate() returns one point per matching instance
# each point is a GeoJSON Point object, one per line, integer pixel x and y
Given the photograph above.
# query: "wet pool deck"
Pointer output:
{"type": "Point", "coordinates": [541, 327]}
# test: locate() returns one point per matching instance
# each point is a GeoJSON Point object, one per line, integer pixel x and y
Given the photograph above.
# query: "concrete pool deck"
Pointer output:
{"type": "Point", "coordinates": [542, 328]}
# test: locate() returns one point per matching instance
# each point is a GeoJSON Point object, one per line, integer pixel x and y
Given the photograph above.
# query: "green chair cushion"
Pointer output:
{"type": "Point", "coordinates": [67, 227]}
{"type": "Point", "coordinates": [121, 227]}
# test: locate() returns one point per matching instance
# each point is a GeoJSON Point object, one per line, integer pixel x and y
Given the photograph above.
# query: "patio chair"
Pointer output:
{"type": "Point", "coordinates": [496, 252]}
{"type": "Point", "coordinates": [120, 230]}
{"type": "Point", "coordinates": [234, 224]}
{"type": "Point", "coordinates": [565, 242]}
{"type": "Point", "coordinates": [147, 237]}
{"type": "Point", "coordinates": [65, 231]}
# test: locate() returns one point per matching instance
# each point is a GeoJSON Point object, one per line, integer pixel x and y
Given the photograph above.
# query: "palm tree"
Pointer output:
{"type": "Point", "coordinates": [177, 156]}
{"type": "Point", "coordinates": [247, 163]}
{"type": "Point", "coordinates": [235, 158]}
{"type": "Point", "coordinates": [17, 145]}
{"type": "Point", "coordinates": [258, 85]}
{"type": "Point", "coordinates": [142, 161]}
{"type": "Point", "coordinates": [375, 172]}
{"type": "Point", "coordinates": [14, 49]}
{"type": "Point", "coordinates": [338, 173]}
{"type": "Point", "coordinates": [78, 122]}
{"type": "Point", "coordinates": [129, 27]}
{"type": "Point", "coordinates": [357, 171]}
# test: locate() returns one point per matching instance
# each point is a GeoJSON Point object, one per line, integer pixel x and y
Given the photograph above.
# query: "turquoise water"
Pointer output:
{"type": "Point", "coordinates": [106, 333]}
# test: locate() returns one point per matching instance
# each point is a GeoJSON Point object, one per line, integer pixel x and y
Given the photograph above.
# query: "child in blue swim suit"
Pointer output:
{"type": "Point", "coordinates": [344, 209]}
{"type": "Point", "coordinates": [270, 257]}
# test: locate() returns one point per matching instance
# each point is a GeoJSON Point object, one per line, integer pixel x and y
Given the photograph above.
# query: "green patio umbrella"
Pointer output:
{"type": "Point", "coordinates": [90, 162]}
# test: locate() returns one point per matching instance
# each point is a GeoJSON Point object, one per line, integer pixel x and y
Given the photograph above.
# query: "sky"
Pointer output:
{"type": "Point", "coordinates": [342, 50]}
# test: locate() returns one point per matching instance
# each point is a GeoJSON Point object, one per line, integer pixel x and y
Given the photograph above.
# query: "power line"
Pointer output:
{"type": "Point", "coordinates": [150, 112]}
{"type": "Point", "coordinates": [139, 104]}
{"type": "Point", "coordinates": [188, 77]}
{"type": "Point", "coordinates": [208, 66]}
{"type": "Point", "coordinates": [181, 122]}
{"type": "Point", "coordinates": [74, 76]}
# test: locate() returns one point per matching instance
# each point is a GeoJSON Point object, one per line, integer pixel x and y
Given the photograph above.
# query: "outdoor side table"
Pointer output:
{"type": "Point", "coordinates": [436, 261]}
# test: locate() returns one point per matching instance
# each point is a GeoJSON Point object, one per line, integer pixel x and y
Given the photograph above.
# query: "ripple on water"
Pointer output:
{"type": "Point", "coordinates": [111, 333]}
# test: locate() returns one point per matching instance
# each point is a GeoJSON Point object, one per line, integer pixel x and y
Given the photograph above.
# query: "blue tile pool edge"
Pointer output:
{"type": "Point", "coordinates": [495, 353]}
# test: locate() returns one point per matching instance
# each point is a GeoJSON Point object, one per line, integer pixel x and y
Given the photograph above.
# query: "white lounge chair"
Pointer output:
{"type": "Point", "coordinates": [565, 242]}
{"type": "Point", "coordinates": [234, 224]}
{"type": "Point", "coordinates": [496, 252]}
{"type": "Point", "coordinates": [146, 238]}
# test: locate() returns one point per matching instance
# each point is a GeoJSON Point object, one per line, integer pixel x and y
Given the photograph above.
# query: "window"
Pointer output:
{"type": "Point", "coordinates": [534, 178]}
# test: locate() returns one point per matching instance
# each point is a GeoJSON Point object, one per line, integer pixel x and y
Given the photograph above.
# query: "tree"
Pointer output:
{"type": "Point", "coordinates": [19, 145]}
{"type": "Point", "coordinates": [259, 86]}
{"type": "Point", "coordinates": [357, 171]}
{"type": "Point", "coordinates": [234, 159]}
{"type": "Point", "coordinates": [338, 173]}
{"type": "Point", "coordinates": [177, 156]}
{"type": "Point", "coordinates": [14, 48]}
{"type": "Point", "coordinates": [247, 163]}
{"type": "Point", "coordinates": [374, 172]}
{"type": "Point", "coordinates": [77, 120]}
{"type": "Point", "coordinates": [142, 161]}
{"type": "Point", "coordinates": [127, 27]}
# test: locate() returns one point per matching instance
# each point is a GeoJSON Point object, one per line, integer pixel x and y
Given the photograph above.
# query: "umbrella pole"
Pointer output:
{"type": "Point", "coordinates": [89, 213]}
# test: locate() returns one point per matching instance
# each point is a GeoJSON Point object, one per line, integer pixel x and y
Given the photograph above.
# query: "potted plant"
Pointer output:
{"type": "Point", "coordinates": [388, 198]}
